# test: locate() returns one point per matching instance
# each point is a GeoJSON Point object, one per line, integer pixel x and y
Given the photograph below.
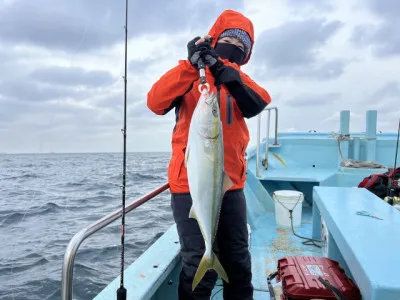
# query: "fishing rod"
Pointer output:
{"type": "Point", "coordinates": [397, 146]}
{"type": "Point", "coordinates": [391, 179]}
{"type": "Point", "coordinates": [121, 292]}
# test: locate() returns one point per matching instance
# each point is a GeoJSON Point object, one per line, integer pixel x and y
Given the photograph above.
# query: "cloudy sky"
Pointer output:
{"type": "Point", "coordinates": [62, 61]}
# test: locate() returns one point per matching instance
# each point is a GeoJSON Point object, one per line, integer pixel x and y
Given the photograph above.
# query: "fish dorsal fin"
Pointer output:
{"type": "Point", "coordinates": [227, 183]}
{"type": "Point", "coordinates": [187, 155]}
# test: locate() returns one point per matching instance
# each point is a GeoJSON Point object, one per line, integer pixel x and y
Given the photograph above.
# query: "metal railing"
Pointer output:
{"type": "Point", "coordinates": [265, 160]}
{"type": "Point", "coordinates": [70, 253]}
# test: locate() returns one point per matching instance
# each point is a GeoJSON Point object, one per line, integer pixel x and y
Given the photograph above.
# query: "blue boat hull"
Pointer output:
{"type": "Point", "coordinates": [301, 162]}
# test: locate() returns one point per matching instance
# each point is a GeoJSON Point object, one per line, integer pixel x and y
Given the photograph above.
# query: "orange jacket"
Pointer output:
{"type": "Point", "coordinates": [239, 97]}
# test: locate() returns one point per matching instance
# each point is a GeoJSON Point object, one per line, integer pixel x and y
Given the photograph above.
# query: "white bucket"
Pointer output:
{"type": "Point", "coordinates": [324, 238]}
{"type": "Point", "coordinates": [284, 201]}
{"type": "Point", "coordinates": [249, 233]}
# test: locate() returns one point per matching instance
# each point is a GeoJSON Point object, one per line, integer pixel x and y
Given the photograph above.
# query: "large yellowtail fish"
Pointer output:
{"type": "Point", "coordinates": [204, 160]}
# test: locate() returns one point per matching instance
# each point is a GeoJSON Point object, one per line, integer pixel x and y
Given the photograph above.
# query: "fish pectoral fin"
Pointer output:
{"type": "Point", "coordinates": [187, 155]}
{"type": "Point", "coordinates": [227, 183]}
{"type": "Point", "coordinates": [207, 263]}
{"type": "Point", "coordinates": [192, 213]}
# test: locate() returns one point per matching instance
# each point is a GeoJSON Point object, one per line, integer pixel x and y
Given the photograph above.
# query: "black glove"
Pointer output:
{"type": "Point", "coordinates": [194, 51]}
{"type": "Point", "coordinates": [210, 57]}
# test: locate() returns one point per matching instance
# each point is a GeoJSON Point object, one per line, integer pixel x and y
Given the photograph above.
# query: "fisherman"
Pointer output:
{"type": "Point", "coordinates": [226, 48]}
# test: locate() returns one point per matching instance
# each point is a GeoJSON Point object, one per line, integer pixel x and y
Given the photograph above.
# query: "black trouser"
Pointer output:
{"type": "Point", "coordinates": [231, 247]}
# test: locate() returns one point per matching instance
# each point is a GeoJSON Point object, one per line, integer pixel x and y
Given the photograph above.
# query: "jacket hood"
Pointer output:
{"type": "Point", "coordinates": [230, 19]}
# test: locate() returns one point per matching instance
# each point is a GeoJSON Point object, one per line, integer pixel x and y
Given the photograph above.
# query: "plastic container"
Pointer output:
{"type": "Point", "coordinates": [299, 277]}
{"type": "Point", "coordinates": [249, 233]}
{"type": "Point", "coordinates": [324, 238]}
{"type": "Point", "coordinates": [286, 200]}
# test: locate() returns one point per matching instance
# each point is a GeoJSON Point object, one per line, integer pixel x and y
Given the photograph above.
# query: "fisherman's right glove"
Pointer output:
{"type": "Point", "coordinates": [194, 51]}
{"type": "Point", "coordinates": [210, 57]}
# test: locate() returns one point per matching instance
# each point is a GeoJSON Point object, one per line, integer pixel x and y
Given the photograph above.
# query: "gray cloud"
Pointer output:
{"type": "Point", "coordinates": [296, 42]}
{"type": "Point", "coordinates": [383, 39]}
{"type": "Point", "coordinates": [52, 83]}
{"type": "Point", "coordinates": [137, 65]}
{"type": "Point", "coordinates": [73, 108]}
{"type": "Point", "coordinates": [53, 116]}
{"type": "Point", "coordinates": [136, 103]}
{"type": "Point", "coordinates": [58, 24]}
{"type": "Point", "coordinates": [389, 9]}
{"type": "Point", "coordinates": [385, 99]}
{"type": "Point", "coordinates": [140, 109]}
{"type": "Point", "coordinates": [390, 89]}
{"type": "Point", "coordinates": [313, 100]}
{"type": "Point", "coordinates": [5, 57]}
{"type": "Point", "coordinates": [82, 26]}
{"type": "Point", "coordinates": [325, 71]}
{"type": "Point", "coordinates": [296, 5]}
{"type": "Point", "coordinates": [73, 76]}
{"type": "Point", "coordinates": [140, 65]}
{"type": "Point", "coordinates": [292, 50]}
{"type": "Point", "coordinates": [140, 116]}
{"type": "Point", "coordinates": [25, 90]}
{"type": "Point", "coordinates": [14, 63]}
{"type": "Point", "coordinates": [114, 100]}
{"type": "Point", "coordinates": [8, 111]}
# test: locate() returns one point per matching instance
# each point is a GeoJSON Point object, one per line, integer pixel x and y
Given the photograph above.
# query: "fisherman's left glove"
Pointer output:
{"type": "Point", "coordinates": [212, 60]}
{"type": "Point", "coordinates": [194, 51]}
{"type": "Point", "coordinates": [210, 57]}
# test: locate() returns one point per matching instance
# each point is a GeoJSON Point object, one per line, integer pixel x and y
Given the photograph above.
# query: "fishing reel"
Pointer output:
{"type": "Point", "coordinates": [392, 200]}
{"type": "Point", "coordinates": [393, 197]}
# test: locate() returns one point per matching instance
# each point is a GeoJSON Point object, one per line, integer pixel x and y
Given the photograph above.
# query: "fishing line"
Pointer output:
{"type": "Point", "coordinates": [15, 246]}
{"type": "Point", "coordinates": [121, 292]}
{"type": "Point", "coordinates": [391, 188]}
{"type": "Point", "coordinates": [83, 38]}
{"type": "Point", "coordinates": [397, 147]}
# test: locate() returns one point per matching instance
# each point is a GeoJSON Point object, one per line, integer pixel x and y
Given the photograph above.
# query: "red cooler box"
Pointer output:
{"type": "Point", "coordinates": [308, 277]}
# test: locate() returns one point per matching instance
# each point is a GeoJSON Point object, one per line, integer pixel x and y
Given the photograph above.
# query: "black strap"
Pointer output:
{"type": "Point", "coordinates": [338, 294]}
{"type": "Point", "coordinates": [270, 287]}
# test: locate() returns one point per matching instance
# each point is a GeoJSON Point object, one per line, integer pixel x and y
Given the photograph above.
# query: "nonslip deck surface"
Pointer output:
{"type": "Point", "coordinates": [268, 243]}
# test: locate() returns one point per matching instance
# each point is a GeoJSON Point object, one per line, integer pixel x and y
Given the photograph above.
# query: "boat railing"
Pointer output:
{"type": "Point", "coordinates": [265, 160]}
{"type": "Point", "coordinates": [78, 238]}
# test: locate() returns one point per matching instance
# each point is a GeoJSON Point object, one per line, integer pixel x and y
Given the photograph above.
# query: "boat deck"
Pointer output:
{"type": "Point", "coordinates": [268, 243]}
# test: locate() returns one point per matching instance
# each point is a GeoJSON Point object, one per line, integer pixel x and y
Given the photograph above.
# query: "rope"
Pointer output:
{"type": "Point", "coordinates": [353, 163]}
{"type": "Point", "coordinates": [308, 241]}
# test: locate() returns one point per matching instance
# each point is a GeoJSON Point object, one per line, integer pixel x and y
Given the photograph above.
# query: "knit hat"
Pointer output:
{"type": "Point", "coordinates": [241, 35]}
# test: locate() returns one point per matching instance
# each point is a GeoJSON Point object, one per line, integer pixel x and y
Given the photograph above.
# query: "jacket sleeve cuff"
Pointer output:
{"type": "Point", "coordinates": [250, 97]}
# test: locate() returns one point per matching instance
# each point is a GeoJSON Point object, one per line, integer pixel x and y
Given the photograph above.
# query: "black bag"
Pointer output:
{"type": "Point", "coordinates": [378, 184]}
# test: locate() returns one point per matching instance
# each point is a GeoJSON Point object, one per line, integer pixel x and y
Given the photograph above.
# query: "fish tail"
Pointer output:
{"type": "Point", "coordinates": [219, 268]}
{"type": "Point", "coordinates": [209, 262]}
